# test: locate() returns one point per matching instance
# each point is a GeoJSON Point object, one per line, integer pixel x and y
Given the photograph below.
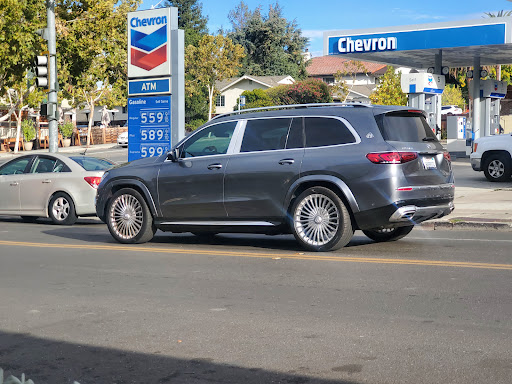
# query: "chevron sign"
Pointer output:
{"type": "Point", "coordinates": [148, 43]}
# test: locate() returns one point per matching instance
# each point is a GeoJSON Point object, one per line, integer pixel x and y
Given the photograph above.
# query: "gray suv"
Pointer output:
{"type": "Point", "coordinates": [317, 171]}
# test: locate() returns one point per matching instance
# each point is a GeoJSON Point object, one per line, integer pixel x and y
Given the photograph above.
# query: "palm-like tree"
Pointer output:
{"type": "Point", "coordinates": [501, 13]}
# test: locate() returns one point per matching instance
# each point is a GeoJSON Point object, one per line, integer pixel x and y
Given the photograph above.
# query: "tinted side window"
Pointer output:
{"type": "Point", "coordinates": [43, 165]}
{"type": "Point", "coordinates": [213, 140]}
{"type": "Point", "coordinates": [265, 134]}
{"type": "Point", "coordinates": [322, 131]}
{"type": "Point", "coordinates": [15, 167]}
{"type": "Point", "coordinates": [92, 163]}
{"type": "Point", "coordinates": [295, 135]}
{"type": "Point", "coordinates": [405, 126]}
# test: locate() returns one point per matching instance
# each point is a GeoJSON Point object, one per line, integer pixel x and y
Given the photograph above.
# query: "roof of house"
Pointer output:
{"type": "Point", "coordinates": [268, 81]}
{"type": "Point", "coordinates": [329, 65]}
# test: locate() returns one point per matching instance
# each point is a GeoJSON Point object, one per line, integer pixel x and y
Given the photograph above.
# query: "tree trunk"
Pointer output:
{"type": "Point", "coordinates": [18, 131]}
{"type": "Point", "coordinates": [91, 120]}
{"type": "Point", "coordinates": [210, 105]}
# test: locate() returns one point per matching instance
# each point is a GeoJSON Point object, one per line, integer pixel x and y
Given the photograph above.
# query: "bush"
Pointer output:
{"type": "Point", "coordinates": [29, 129]}
{"type": "Point", "coordinates": [192, 125]}
{"type": "Point", "coordinates": [66, 129]}
{"type": "Point", "coordinates": [302, 92]}
{"type": "Point", "coordinates": [256, 99]}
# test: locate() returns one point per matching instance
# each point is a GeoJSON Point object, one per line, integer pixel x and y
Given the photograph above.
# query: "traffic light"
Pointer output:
{"type": "Point", "coordinates": [42, 71]}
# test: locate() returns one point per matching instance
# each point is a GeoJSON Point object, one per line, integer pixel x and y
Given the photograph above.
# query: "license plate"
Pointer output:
{"type": "Point", "coordinates": [429, 162]}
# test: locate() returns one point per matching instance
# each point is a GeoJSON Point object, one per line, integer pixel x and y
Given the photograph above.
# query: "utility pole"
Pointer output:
{"type": "Point", "coordinates": [52, 86]}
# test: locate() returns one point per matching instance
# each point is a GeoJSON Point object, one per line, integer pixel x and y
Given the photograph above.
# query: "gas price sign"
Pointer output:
{"type": "Point", "coordinates": [149, 126]}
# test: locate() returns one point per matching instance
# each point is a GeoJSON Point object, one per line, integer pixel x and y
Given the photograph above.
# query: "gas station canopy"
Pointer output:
{"type": "Point", "coordinates": [417, 45]}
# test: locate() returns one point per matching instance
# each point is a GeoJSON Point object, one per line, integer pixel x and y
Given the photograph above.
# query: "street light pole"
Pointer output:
{"type": "Point", "coordinates": [52, 86]}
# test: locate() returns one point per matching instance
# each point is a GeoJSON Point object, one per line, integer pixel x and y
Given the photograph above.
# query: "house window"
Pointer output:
{"type": "Point", "coordinates": [220, 101]}
{"type": "Point", "coordinates": [329, 80]}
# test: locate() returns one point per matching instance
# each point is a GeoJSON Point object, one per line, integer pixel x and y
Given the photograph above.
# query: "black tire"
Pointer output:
{"type": "Point", "coordinates": [128, 217]}
{"type": "Point", "coordinates": [62, 209]}
{"type": "Point", "coordinates": [320, 221]}
{"type": "Point", "coordinates": [29, 219]}
{"type": "Point", "coordinates": [497, 167]}
{"type": "Point", "coordinates": [388, 234]}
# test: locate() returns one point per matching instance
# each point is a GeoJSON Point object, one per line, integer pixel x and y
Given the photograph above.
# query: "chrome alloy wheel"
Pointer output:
{"type": "Point", "coordinates": [60, 208]}
{"type": "Point", "coordinates": [496, 168]}
{"type": "Point", "coordinates": [316, 219]}
{"type": "Point", "coordinates": [126, 216]}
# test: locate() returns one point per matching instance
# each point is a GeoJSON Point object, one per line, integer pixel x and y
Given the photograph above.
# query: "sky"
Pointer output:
{"type": "Point", "coordinates": [314, 18]}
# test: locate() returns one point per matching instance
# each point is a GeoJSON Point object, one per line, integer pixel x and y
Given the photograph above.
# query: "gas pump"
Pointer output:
{"type": "Point", "coordinates": [424, 90]}
{"type": "Point", "coordinates": [491, 93]}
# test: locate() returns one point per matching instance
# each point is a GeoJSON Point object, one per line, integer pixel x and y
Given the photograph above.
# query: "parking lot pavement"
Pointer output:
{"type": "Point", "coordinates": [479, 204]}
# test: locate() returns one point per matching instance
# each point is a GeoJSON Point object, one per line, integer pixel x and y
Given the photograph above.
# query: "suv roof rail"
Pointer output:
{"type": "Point", "coordinates": [294, 106]}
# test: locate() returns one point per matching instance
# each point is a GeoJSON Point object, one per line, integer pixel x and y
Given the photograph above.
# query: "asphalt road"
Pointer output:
{"type": "Point", "coordinates": [434, 307]}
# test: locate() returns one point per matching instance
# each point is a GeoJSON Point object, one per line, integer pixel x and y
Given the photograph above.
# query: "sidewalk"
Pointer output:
{"type": "Point", "coordinates": [72, 149]}
{"type": "Point", "coordinates": [477, 208]}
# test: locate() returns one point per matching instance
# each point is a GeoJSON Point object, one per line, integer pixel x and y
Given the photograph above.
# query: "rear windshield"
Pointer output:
{"type": "Point", "coordinates": [92, 163]}
{"type": "Point", "coordinates": [405, 126]}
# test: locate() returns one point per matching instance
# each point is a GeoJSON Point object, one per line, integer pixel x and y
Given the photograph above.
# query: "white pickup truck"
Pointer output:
{"type": "Point", "coordinates": [493, 155]}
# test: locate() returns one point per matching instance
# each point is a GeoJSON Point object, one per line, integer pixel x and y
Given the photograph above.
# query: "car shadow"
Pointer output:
{"type": "Point", "coordinates": [100, 234]}
{"type": "Point", "coordinates": [54, 361]}
{"type": "Point", "coordinates": [48, 221]}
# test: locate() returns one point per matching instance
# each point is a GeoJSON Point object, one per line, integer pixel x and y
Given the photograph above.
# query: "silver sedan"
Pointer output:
{"type": "Point", "coordinates": [51, 185]}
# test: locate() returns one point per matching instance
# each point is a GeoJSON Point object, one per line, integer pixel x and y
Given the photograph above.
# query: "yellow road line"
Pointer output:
{"type": "Point", "coordinates": [295, 256]}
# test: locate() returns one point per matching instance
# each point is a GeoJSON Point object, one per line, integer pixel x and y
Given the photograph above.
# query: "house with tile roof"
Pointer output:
{"type": "Point", "coordinates": [361, 77]}
{"type": "Point", "coordinates": [231, 89]}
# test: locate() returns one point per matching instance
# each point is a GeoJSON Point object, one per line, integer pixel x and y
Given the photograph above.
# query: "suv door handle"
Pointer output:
{"type": "Point", "coordinates": [286, 161]}
{"type": "Point", "coordinates": [14, 184]}
{"type": "Point", "coordinates": [215, 166]}
{"type": "Point", "coordinates": [47, 181]}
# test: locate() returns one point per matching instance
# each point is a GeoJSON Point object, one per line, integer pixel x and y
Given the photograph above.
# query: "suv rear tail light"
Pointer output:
{"type": "Point", "coordinates": [391, 157]}
{"type": "Point", "coordinates": [93, 181]}
{"type": "Point", "coordinates": [447, 156]}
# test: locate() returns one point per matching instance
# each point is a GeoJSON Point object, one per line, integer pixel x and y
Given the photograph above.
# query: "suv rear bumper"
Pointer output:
{"type": "Point", "coordinates": [416, 215]}
{"type": "Point", "coordinates": [404, 213]}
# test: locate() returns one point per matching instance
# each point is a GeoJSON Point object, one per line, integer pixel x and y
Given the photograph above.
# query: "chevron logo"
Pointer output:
{"type": "Point", "coordinates": [147, 51]}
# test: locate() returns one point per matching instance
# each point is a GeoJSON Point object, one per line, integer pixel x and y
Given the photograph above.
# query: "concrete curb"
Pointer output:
{"type": "Point", "coordinates": [467, 226]}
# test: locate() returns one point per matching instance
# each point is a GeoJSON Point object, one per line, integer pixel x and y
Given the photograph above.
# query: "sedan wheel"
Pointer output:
{"type": "Point", "coordinates": [321, 221]}
{"type": "Point", "coordinates": [128, 217]}
{"type": "Point", "coordinates": [497, 168]}
{"type": "Point", "coordinates": [62, 209]}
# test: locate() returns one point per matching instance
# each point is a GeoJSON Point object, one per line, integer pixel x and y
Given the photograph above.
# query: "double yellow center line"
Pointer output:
{"type": "Point", "coordinates": [261, 255]}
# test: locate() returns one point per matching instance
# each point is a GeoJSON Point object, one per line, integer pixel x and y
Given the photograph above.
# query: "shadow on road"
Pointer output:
{"type": "Point", "coordinates": [100, 234]}
{"type": "Point", "coordinates": [52, 361]}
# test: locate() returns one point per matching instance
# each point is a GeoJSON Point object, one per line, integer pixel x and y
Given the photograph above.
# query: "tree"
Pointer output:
{"type": "Point", "coordinates": [273, 45]}
{"type": "Point", "coordinates": [193, 23]}
{"type": "Point", "coordinates": [21, 96]}
{"type": "Point", "coordinates": [389, 91]}
{"type": "Point", "coordinates": [190, 19]}
{"type": "Point", "coordinates": [501, 13]}
{"type": "Point", "coordinates": [216, 58]}
{"type": "Point", "coordinates": [453, 96]}
{"type": "Point", "coordinates": [19, 44]}
{"type": "Point", "coordinates": [92, 52]}
{"type": "Point", "coordinates": [350, 69]}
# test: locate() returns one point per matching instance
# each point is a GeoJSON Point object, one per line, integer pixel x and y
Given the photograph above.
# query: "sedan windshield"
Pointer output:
{"type": "Point", "coordinates": [92, 163]}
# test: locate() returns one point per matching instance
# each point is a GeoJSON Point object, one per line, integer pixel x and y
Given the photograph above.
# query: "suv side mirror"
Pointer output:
{"type": "Point", "coordinates": [173, 155]}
